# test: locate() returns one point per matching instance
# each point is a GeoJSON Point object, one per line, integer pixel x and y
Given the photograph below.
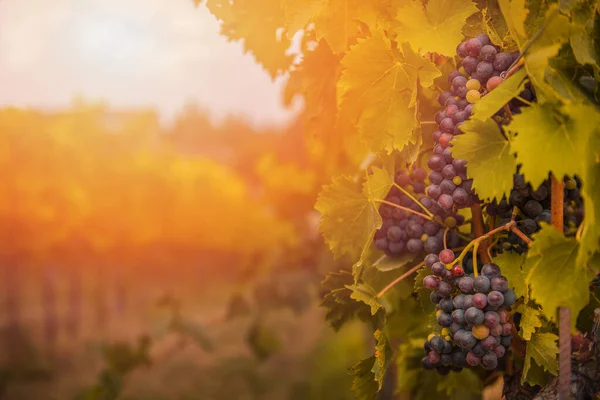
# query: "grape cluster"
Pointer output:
{"type": "Point", "coordinates": [534, 207]}
{"type": "Point", "coordinates": [473, 314]}
{"type": "Point", "coordinates": [405, 232]}
{"type": "Point", "coordinates": [479, 72]}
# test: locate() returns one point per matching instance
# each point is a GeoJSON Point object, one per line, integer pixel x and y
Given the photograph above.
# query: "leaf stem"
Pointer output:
{"type": "Point", "coordinates": [520, 234]}
{"type": "Point", "coordinates": [445, 234]}
{"type": "Point", "coordinates": [414, 199]}
{"type": "Point", "coordinates": [399, 279]}
{"type": "Point", "coordinates": [485, 236]}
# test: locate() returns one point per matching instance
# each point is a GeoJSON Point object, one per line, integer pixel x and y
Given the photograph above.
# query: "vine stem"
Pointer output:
{"type": "Point", "coordinates": [564, 313]}
{"type": "Point", "coordinates": [520, 234]}
{"type": "Point", "coordinates": [478, 229]}
{"type": "Point", "coordinates": [399, 279]}
{"type": "Point", "coordinates": [428, 123]}
{"type": "Point", "coordinates": [406, 192]}
{"type": "Point", "coordinates": [483, 237]}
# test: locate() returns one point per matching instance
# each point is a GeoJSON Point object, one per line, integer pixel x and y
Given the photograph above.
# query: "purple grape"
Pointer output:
{"type": "Point", "coordinates": [437, 344]}
{"type": "Point", "coordinates": [430, 282]}
{"type": "Point", "coordinates": [394, 234]}
{"type": "Point", "coordinates": [396, 247]}
{"type": "Point", "coordinates": [466, 284]}
{"type": "Point", "coordinates": [459, 301]}
{"type": "Point", "coordinates": [447, 125]}
{"type": "Point", "coordinates": [448, 171]}
{"type": "Point", "coordinates": [506, 340]}
{"type": "Point", "coordinates": [468, 302]}
{"type": "Point", "coordinates": [461, 92]}
{"type": "Point", "coordinates": [478, 350]}
{"type": "Point", "coordinates": [470, 64]}
{"type": "Point", "coordinates": [499, 283]}
{"type": "Point", "coordinates": [484, 39]}
{"type": "Point", "coordinates": [489, 361]}
{"type": "Point", "coordinates": [436, 162]}
{"type": "Point", "coordinates": [459, 116]}
{"type": "Point", "coordinates": [488, 53]}
{"type": "Point", "coordinates": [495, 298]}
{"type": "Point", "coordinates": [479, 300]}
{"type": "Point", "coordinates": [473, 47]}
{"type": "Point", "coordinates": [444, 319]}
{"type": "Point", "coordinates": [418, 187]}
{"type": "Point", "coordinates": [445, 201]}
{"type": "Point", "coordinates": [435, 297]}
{"type": "Point", "coordinates": [414, 230]}
{"type": "Point", "coordinates": [446, 305]}
{"type": "Point", "coordinates": [468, 340]}
{"type": "Point", "coordinates": [459, 165]}
{"type": "Point", "coordinates": [474, 316]}
{"type": "Point", "coordinates": [499, 351]}
{"type": "Point", "coordinates": [414, 245]}
{"type": "Point", "coordinates": [455, 328]}
{"type": "Point", "coordinates": [491, 319]}
{"type": "Point", "coordinates": [444, 289]}
{"type": "Point", "coordinates": [472, 359]}
{"type": "Point", "coordinates": [510, 297]}
{"type": "Point", "coordinates": [426, 364]}
{"type": "Point", "coordinates": [481, 284]}
{"type": "Point", "coordinates": [448, 155]}
{"type": "Point", "coordinates": [485, 70]}
{"type": "Point", "coordinates": [461, 50]}
{"type": "Point", "coordinates": [434, 191]}
{"type": "Point", "coordinates": [490, 270]}
{"type": "Point", "coordinates": [419, 174]}
{"type": "Point", "coordinates": [460, 196]}
{"type": "Point", "coordinates": [438, 269]}
{"type": "Point", "coordinates": [436, 177]}
{"type": "Point", "coordinates": [381, 244]}
{"type": "Point", "coordinates": [502, 62]}
{"type": "Point", "coordinates": [434, 357]}
{"type": "Point", "coordinates": [447, 186]}
{"type": "Point", "coordinates": [458, 316]}
{"type": "Point", "coordinates": [443, 97]}
{"type": "Point", "coordinates": [433, 244]}
{"type": "Point", "coordinates": [453, 75]}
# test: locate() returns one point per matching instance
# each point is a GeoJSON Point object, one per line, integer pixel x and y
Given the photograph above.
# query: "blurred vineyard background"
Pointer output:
{"type": "Point", "coordinates": [144, 261]}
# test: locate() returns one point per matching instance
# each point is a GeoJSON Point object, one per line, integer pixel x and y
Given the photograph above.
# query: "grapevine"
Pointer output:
{"type": "Point", "coordinates": [462, 142]}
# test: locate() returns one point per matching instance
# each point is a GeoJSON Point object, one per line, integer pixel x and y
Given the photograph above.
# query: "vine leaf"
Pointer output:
{"type": "Point", "coordinates": [530, 320]}
{"type": "Point", "coordinates": [386, 263]}
{"type": "Point", "coordinates": [367, 375]}
{"type": "Point", "coordinates": [340, 307]}
{"type": "Point", "coordinates": [383, 357]}
{"type": "Point", "coordinates": [543, 349]}
{"type": "Point", "coordinates": [511, 265]}
{"type": "Point", "coordinates": [515, 13]}
{"type": "Point", "coordinates": [554, 276]}
{"type": "Point", "coordinates": [590, 234]}
{"type": "Point", "coordinates": [436, 27]}
{"type": "Point", "coordinates": [489, 160]}
{"type": "Point", "coordinates": [382, 92]}
{"type": "Point", "coordinates": [583, 40]}
{"type": "Point", "coordinates": [365, 293]}
{"type": "Point", "coordinates": [489, 104]}
{"type": "Point", "coordinates": [567, 133]}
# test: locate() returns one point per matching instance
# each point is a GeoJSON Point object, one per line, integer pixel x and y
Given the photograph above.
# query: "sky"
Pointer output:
{"type": "Point", "coordinates": [159, 53]}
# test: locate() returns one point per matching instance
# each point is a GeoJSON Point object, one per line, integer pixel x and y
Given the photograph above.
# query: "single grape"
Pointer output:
{"type": "Point", "coordinates": [436, 162]}
{"type": "Point", "coordinates": [444, 96]}
{"type": "Point", "coordinates": [447, 126]}
{"type": "Point", "coordinates": [435, 297]}
{"type": "Point", "coordinates": [445, 139]}
{"type": "Point", "coordinates": [446, 256]}
{"type": "Point", "coordinates": [430, 282]}
{"type": "Point", "coordinates": [495, 298]}
{"type": "Point", "coordinates": [447, 186]}
{"type": "Point", "coordinates": [448, 155]}
{"type": "Point", "coordinates": [484, 70]}
{"type": "Point", "coordinates": [499, 351]}
{"type": "Point", "coordinates": [488, 53]}
{"type": "Point", "coordinates": [472, 359]}
{"type": "Point", "coordinates": [473, 47]}
{"type": "Point", "coordinates": [444, 288]}
{"type": "Point", "coordinates": [473, 96]}
{"type": "Point", "coordinates": [381, 244]}
{"type": "Point", "coordinates": [460, 92]}
{"type": "Point", "coordinates": [426, 364]}
{"type": "Point", "coordinates": [517, 199]}
{"type": "Point", "coordinates": [436, 177]}
{"type": "Point", "coordinates": [506, 340]}
{"type": "Point", "coordinates": [414, 230]}
{"type": "Point", "coordinates": [461, 50]}
{"type": "Point", "coordinates": [490, 270]}
{"type": "Point", "coordinates": [479, 300]}
{"type": "Point", "coordinates": [460, 195]}
{"type": "Point", "coordinates": [493, 83]}
{"type": "Point", "coordinates": [473, 84]}
{"type": "Point", "coordinates": [446, 305]}
{"type": "Point", "coordinates": [532, 208]}
{"type": "Point", "coordinates": [446, 201]}
{"type": "Point", "coordinates": [489, 361]}
{"type": "Point", "coordinates": [459, 301]}
{"type": "Point", "coordinates": [468, 302]}
{"type": "Point", "coordinates": [495, 330]}
{"type": "Point", "coordinates": [481, 331]}
{"type": "Point", "coordinates": [444, 319]}
{"type": "Point", "coordinates": [468, 340]}
{"type": "Point", "coordinates": [481, 284]}
{"type": "Point", "coordinates": [489, 343]}
{"type": "Point", "coordinates": [502, 61]}
{"type": "Point", "coordinates": [437, 343]}
{"type": "Point", "coordinates": [396, 247]}
{"type": "Point", "coordinates": [457, 270]}
{"type": "Point", "coordinates": [438, 269]}
{"type": "Point", "coordinates": [499, 283]}
{"type": "Point", "coordinates": [447, 344]}
{"type": "Point", "coordinates": [459, 81]}
{"type": "Point", "coordinates": [466, 284]}
{"type": "Point", "coordinates": [474, 316]}
{"type": "Point", "coordinates": [483, 38]}
{"type": "Point", "coordinates": [434, 357]}
{"type": "Point", "coordinates": [491, 319]}
{"type": "Point", "coordinates": [470, 64]}
{"type": "Point", "coordinates": [459, 116]}
{"type": "Point", "coordinates": [506, 329]}
{"type": "Point", "coordinates": [458, 316]}
{"type": "Point", "coordinates": [419, 174]}
{"type": "Point", "coordinates": [431, 259]}
{"type": "Point", "coordinates": [394, 233]}
{"type": "Point", "coordinates": [510, 297]}
{"type": "Point", "coordinates": [414, 245]}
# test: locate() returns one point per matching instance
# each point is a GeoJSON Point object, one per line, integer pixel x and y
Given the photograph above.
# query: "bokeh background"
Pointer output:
{"type": "Point", "coordinates": [158, 238]}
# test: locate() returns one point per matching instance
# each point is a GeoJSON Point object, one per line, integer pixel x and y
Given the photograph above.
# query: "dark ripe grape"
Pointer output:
{"type": "Point", "coordinates": [526, 94]}
{"type": "Point", "coordinates": [447, 186]}
{"type": "Point", "coordinates": [436, 177]}
{"type": "Point", "coordinates": [437, 344]}
{"type": "Point", "coordinates": [499, 351]}
{"type": "Point", "coordinates": [438, 269]}
{"type": "Point", "coordinates": [443, 97]}
{"type": "Point", "coordinates": [544, 217]}
{"type": "Point", "coordinates": [444, 319]}
{"type": "Point", "coordinates": [490, 270]}
{"type": "Point", "coordinates": [419, 174]}
{"type": "Point", "coordinates": [532, 208]}
{"type": "Point", "coordinates": [499, 283]}
{"type": "Point", "coordinates": [479, 300]}
{"type": "Point", "coordinates": [467, 184]}
{"type": "Point", "coordinates": [481, 284]}
{"type": "Point", "coordinates": [460, 196]}
{"type": "Point", "coordinates": [426, 364]}
{"type": "Point", "coordinates": [502, 61]}
{"type": "Point", "coordinates": [489, 361]}
{"type": "Point", "coordinates": [448, 276]}
{"type": "Point", "coordinates": [445, 139]}
{"type": "Point", "coordinates": [445, 201]}
{"type": "Point", "coordinates": [478, 350]}
{"type": "Point", "coordinates": [510, 297]}
{"type": "Point", "coordinates": [517, 199]}
{"type": "Point", "coordinates": [447, 126]}
{"type": "Point", "coordinates": [396, 248]}
{"type": "Point", "coordinates": [485, 70]}
{"type": "Point", "coordinates": [493, 83]}
{"type": "Point", "coordinates": [506, 329]}
{"type": "Point", "coordinates": [446, 256]}
{"type": "Point", "coordinates": [459, 165]}
{"type": "Point", "coordinates": [444, 289]}
{"type": "Point", "coordinates": [439, 149]}
{"type": "Point", "coordinates": [435, 297]}
{"type": "Point", "coordinates": [528, 226]}
{"type": "Point", "coordinates": [381, 244]}
{"type": "Point", "coordinates": [434, 357]}
{"type": "Point", "coordinates": [455, 328]}
{"type": "Point", "coordinates": [433, 244]}
{"type": "Point", "coordinates": [470, 64]}
{"type": "Point", "coordinates": [489, 343]}
{"type": "Point", "coordinates": [506, 340]}
{"type": "Point", "coordinates": [394, 234]}
{"type": "Point", "coordinates": [418, 187]}
{"type": "Point", "coordinates": [451, 100]}
{"type": "Point", "coordinates": [496, 330]}
{"type": "Point", "coordinates": [488, 53]}
{"type": "Point", "coordinates": [459, 117]}
{"type": "Point", "coordinates": [461, 103]}
{"type": "Point", "coordinates": [459, 301]}
{"type": "Point", "coordinates": [458, 82]}
{"type": "Point", "coordinates": [468, 340]}
{"type": "Point", "coordinates": [453, 75]}
{"type": "Point", "coordinates": [473, 47]}
{"type": "Point", "coordinates": [436, 136]}
{"type": "Point", "coordinates": [461, 92]}
{"type": "Point", "coordinates": [457, 270]}
{"type": "Point", "coordinates": [414, 230]}
{"type": "Point", "coordinates": [484, 39]}
{"type": "Point", "coordinates": [491, 319]}
{"type": "Point", "coordinates": [458, 358]}
{"type": "Point", "coordinates": [474, 316]}
{"type": "Point", "coordinates": [458, 316]}
{"type": "Point", "coordinates": [519, 181]}
{"type": "Point", "coordinates": [495, 298]}
{"type": "Point", "coordinates": [430, 282]}
{"type": "Point", "coordinates": [414, 245]}
{"type": "Point", "coordinates": [472, 359]}
{"type": "Point", "coordinates": [448, 172]}
{"type": "Point", "coordinates": [436, 162]}
{"type": "Point", "coordinates": [447, 155]}
{"type": "Point", "coordinates": [461, 50]}
{"type": "Point", "coordinates": [469, 110]}
{"type": "Point", "coordinates": [446, 305]}
{"type": "Point", "coordinates": [431, 228]}
{"type": "Point", "coordinates": [466, 284]}
{"type": "Point", "coordinates": [447, 348]}
{"type": "Point", "coordinates": [443, 370]}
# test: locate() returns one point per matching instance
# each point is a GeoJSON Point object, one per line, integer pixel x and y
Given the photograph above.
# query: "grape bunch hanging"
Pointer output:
{"type": "Point", "coordinates": [472, 311]}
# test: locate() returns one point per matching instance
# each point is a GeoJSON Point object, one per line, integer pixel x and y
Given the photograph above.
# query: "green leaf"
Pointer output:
{"type": "Point", "coordinates": [530, 320]}
{"type": "Point", "coordinates": [365, 293]}
{"type": "Point", "coordinates": [584, 41]}
{"type": "Point", "coordinates": [567, 131]}
{"type": "Point", "coordinates": [488, 155]}
{"type": "Point", "coordinates": [515, 13]}
{"type": "Point", "coordinates": [489, 104]}
{"type": "Point", "coordinates": [383, 357]}
{"type": "Point", "coordinates": [341, 308]}
{"type": "Point", "coordinates": [364, 385]}
{"type": "Point", "coordinates": [386, 263]}
{"type": "Point", "coordinates": [590, 234]}
{"type": "Point", "coordinates": [437, 27]}
{"type": "Point", "coordinates": [543, 349]}
{"type": "Point", "coordinates": [554, 276]}
{"type": "Point", "coordinates": [511, 265]}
